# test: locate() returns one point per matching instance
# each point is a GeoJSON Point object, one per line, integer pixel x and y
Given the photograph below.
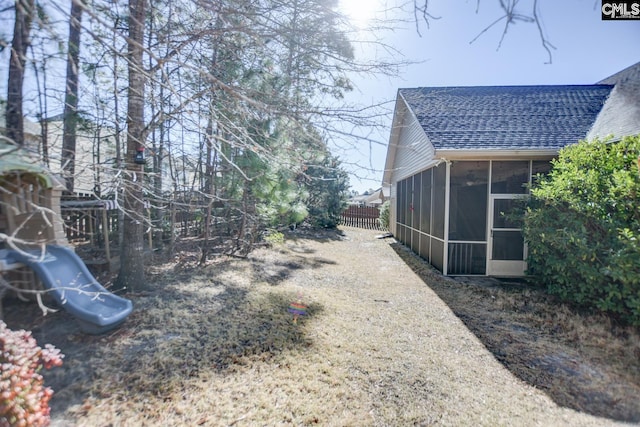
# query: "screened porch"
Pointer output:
{"type": "Point", "coordinates": [459, 217]}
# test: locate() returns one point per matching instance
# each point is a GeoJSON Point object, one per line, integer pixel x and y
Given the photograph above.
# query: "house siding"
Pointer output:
{"type": "Point", "coordinates": [620, 115]}
{"type": "Point", "coordinates": [414, 152]}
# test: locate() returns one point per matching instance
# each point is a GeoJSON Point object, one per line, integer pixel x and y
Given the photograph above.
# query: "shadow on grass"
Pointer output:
{"type": "Point", "coordinates": [317, 234]}
{"type": "Point", "coordinates": [189, 323]}
{"type": "Point", "coordinates": [527, 345]}
{"type": "Point", "coordinates": [275, 272]}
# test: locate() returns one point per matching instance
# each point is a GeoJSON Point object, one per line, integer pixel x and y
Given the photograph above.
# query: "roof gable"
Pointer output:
{"type": "Point", "coordinates": [621, 114]}
{"type": "Point", "coordinates": [631, 73]}
{"type": "Point", "coordinates": [506, 117]}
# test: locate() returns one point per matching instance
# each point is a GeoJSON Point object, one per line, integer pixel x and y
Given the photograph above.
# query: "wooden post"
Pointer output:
{"type": "Point", "coordinates": [90, 217]}
{"type": "Point", "coordinates": [105, 236]}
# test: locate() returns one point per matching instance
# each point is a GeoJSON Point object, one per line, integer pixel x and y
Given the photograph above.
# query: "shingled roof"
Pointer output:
{"type": "Point", "coordinates": [506, 117]}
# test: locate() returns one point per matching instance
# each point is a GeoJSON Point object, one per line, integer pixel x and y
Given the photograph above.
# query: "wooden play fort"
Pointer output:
{"type": "Point", "coordinates": [34, 252]}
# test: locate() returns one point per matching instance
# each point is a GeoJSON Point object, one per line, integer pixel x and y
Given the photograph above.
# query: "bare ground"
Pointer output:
{"type": "Point", "coordinates": [385, 341]}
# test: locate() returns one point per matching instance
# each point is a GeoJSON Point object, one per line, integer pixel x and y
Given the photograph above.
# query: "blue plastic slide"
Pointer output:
{"type": "Point", "coordinates": [75, 289]}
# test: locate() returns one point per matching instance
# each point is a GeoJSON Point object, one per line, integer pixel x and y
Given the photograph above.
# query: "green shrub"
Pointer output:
{"type": "Point", "coordinates": [384, 215]}
{"type": "Point", "coordinates": [273, 237]}
{"type": "Point", "coordinates": [24, 401]}
{"type": "Point", "coordinates": [583, 227]}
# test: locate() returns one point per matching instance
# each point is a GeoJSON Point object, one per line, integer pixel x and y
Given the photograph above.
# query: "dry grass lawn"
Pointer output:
{"type": "Point", "coordinates": [385, 342]}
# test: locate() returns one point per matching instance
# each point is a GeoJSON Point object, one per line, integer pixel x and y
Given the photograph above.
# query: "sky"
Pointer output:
{"type": "Point", "coordinates": [587, 50]}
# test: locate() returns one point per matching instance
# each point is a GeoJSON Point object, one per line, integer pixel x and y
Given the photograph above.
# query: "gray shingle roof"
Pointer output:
{"type": "Point", "coordinates": [506, 117]}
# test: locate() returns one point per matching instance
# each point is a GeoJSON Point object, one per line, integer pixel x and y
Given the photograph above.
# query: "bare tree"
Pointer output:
{"type": "Point", "coordinates": [24, 10]}
{"type": "Point", "coordinates": [70, 115]}
{"type": "Point", "coordinates": [131, 274]}
{"type": "Point", "coordinates": [512, 14]}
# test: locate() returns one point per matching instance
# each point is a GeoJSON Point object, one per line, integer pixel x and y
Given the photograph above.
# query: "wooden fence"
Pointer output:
{"type": "Point", "coordinates": [361, 217]}
{"type": "Point", "coordinates": [91, 221]}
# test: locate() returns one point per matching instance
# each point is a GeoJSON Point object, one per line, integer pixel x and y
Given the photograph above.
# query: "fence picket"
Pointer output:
{"type": "Point", "coordinates": [361, 217]}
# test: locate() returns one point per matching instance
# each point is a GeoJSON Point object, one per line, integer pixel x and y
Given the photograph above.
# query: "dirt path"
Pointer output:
{"type": "Point", "coordinates": [216, 346]}
{"type": "Point", "coordinates": [415, 362]}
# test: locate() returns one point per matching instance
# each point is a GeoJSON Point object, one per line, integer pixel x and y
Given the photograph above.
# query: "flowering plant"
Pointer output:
{"type": "Point", "coordinates": [24, 401]}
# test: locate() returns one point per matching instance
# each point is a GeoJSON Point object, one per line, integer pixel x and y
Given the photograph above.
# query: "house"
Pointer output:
{"type": "Point", "coordinates": [370, 199]}
{"type": "Point", "coordinates": [95, 156]}
{"type": "Point", "coordinates": [459, 159]}
{"type": "Point", "coordinates": [96, 171]}
{"type": "Point", "coordinates": [95, 152]}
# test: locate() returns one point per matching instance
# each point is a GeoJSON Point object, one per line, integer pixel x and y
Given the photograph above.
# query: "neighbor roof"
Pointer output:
{"type": "Point", "coordinates": [506, 117]}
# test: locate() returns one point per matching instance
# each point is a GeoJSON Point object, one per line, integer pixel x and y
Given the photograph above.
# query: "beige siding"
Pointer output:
{"type": "Point", "coordinates": [415, 152]}
{"type": "Point", "coordinates": [392, 214]}
{"type": "Point", "coordinates": [620, 115]}
{"type": "Point", "coordinates": [87, 172]}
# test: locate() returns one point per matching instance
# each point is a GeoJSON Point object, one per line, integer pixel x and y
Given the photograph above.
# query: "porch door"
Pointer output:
{"type": "Point", "coordinates": [507, 250]}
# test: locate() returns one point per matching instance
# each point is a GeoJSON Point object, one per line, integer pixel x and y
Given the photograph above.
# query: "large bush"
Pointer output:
{"type": "Point", "coordinates": [583, 227]}
{"type": "Point", "coordinates": [385, 211]}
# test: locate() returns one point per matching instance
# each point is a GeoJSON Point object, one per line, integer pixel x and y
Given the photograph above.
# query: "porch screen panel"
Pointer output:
{"type": "Point", "coordinates": [468, 201]}
{"type": "Point", "coordinates": [425, 247]}
{"type": "Point", "coordinates": [425, 202]}
{"type": "Point", "coordinates": [507, 213]}
{"type": "Point", "coordinates": [415, 241]}
{"type": "Point", "coordinates": [439, 184]}
{"type": "Point", "coordinates": [509, 177]}
{"type": "Point", "coordinates": [416, 206]}
{"type": "Point", "coordinates": [409, 202]}
{"type": "Point", "coordinates": [539, 167]}
{"type": "Point", "coordinates": [437, 254]}
{"type": "Point", "coordinates": [400, 230]}
{"type": "Point", "coordinates": [467, 258]}
{"type": "Point", "coordinates": [400, 213]}
{"type": "Point", "coordinates": [508, 245]}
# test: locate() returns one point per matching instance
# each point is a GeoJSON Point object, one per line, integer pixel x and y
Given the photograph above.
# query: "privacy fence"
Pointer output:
{"type": "Point", "coordinates": [97, 221]}
{"type": "Point", "coordinates": [361, 217]}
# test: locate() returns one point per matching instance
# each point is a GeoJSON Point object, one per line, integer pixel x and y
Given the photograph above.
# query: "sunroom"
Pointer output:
{"type": "Point", "coordinates": [459, 215]}
{"type": "Point", "coordinates": [461, 158]}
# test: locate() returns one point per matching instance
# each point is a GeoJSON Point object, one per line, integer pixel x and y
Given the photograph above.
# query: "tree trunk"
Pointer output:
{"type": "Point", "coordinates": [131, 274]}
{"type": "Point", "coordinates": [118, 131]}
{"type": "Point", "coordinates": [22, 25]}
{"type": "Point", "coordinates": [70, 116]}
{"type": "Point", "coordinates": [208, 188]}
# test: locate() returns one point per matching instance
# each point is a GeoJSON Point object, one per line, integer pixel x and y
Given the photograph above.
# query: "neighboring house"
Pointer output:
{"type": "Point", "coordinates": [373, 199]}
{"type": "Point", "coordinates": [460, 157]}
{"type": "Point", "coordinates": [95, 152]}
{"type": "Point", "coordinates": [96, 174]}
{"type": "Point", "coordinates": [31, 129]}
{"type": "Point", "coordinates": [95, 160]}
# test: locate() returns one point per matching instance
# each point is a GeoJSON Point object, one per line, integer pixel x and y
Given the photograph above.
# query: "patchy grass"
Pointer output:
{"type": "Point", "coordinates": [582, 361]}
{"type": "Point", "coordinates": [385, 341]}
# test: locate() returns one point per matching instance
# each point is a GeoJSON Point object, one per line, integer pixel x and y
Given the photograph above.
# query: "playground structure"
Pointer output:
{"type": "Point", "coordinates": [35, 255]}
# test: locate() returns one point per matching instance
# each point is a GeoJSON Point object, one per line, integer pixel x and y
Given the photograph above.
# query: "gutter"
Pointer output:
{"type": "Point", "coordinates": [489, 154]}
